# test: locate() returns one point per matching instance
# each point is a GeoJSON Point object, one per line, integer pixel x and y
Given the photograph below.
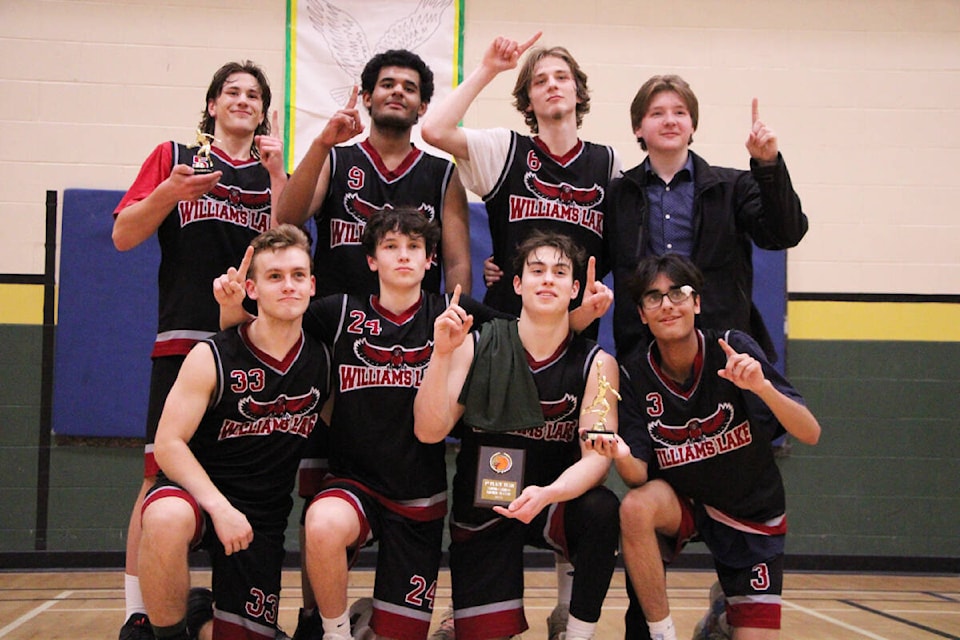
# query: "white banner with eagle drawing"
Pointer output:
{"type": "Point", "coordinates": [330, 41]}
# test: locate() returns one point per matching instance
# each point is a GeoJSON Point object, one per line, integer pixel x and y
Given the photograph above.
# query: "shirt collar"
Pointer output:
{"type": "Point", "coordinates": [685, 174]}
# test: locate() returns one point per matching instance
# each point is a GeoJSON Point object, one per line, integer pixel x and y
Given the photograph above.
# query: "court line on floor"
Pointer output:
{"type": "Point", "coordinates": [904, 621]}
{"type": "Point", "coordinates": [34, 613]}
{"type": "Point", "coordinates": [939, 596]}
{"type": "Point", "coordinates": [831, 620]}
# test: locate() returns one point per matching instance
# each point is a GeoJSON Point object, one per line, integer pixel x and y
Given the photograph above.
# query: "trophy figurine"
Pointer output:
{"type": "Point", "coordinates": [599, 406]}
{"type": "Point", "coordinates": [202, 163]}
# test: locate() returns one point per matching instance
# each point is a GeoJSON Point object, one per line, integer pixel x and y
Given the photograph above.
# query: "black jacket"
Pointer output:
{"type": "Point", "coordinates": [731, 208]}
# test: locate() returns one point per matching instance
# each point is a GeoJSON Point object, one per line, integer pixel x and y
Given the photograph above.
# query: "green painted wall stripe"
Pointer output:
{"type": "Point", "coordinates": [919, 321]}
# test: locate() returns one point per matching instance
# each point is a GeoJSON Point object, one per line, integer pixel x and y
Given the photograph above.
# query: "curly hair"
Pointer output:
{"type": "Point", "coordinates": [397, 58]}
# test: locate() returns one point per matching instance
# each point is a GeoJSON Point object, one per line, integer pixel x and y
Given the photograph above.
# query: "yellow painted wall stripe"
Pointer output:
{"type": "Point", "coordinates": [905, 321]}
{"type": "Point", "coordinates": [21, 304]}
{"type": "Point", "coordinates": [808, 319]}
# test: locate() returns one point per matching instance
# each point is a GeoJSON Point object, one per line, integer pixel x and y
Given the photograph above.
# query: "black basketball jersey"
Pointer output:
{"type": "Point", "coordinates": [361, 184]}
{"type": "Point", "coordinates": [250, 439]}
{"type": "Point", "coordinates": [538, 190]}
{"type": "Point", "coordinates": [201, 239]}
{"type": "Point", "coordinates": [550, 449]}
{"type": "Point", "coordinates": [379, 359]}
{"type": "Point", "coordinates": [710, 440]}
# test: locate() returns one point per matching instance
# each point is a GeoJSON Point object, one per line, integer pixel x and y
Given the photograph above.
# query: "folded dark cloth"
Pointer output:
{"type": "Point", "coordinates": [499, 393]}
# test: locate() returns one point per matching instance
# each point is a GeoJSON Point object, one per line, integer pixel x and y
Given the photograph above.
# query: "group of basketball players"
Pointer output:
{"type": "Point", "coordinates": [361, 360]}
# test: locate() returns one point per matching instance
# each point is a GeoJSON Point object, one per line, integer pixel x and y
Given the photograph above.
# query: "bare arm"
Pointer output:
{"type": "Point", "coordinates": [745, 372]}
{"type": "Point", "coordinates": [140, 220]}
{"type": "Point", "coordinates": [588, 472]}
{"type": "Point", "coordinates": [440, 126]}
{"type": "Point", "coordinates": [632, 470]}
{"type": "Point", "coordinates": [456, 237]}
{"type": "Point", "coordinates": [435, 409]}
{"type": "Point", "coordinates": [182, 413]}
{"type": "Point", "coordinates": [270, 149]}
{"type": "Point", "coordinates": [308, 185]}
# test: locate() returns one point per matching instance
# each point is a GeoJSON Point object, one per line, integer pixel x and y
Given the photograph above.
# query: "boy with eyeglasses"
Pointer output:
{"type": "Point", "coordinates": [698, 413]}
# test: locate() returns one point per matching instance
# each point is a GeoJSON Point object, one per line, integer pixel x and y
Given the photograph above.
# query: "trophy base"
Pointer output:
{"type": "Point", "coordinates": [202, 165]}
{"type": "Point", "coordinates": [593, 434]}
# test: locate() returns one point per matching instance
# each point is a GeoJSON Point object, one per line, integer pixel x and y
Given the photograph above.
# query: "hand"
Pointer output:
{"type": "Point", "coordinates": [271, 146]}
{"type": "Point", "coordinates": [503, 53]}
{"type": "Point", "coordinates": [187, 187]}
{"type": "Point", "coordinates": [597, 297]}
{"type": "Point", "coordinates": [609, 446]}
{"type": "Point", "coordinates": [233, 529]}
{"type": "Point", "coordinates": [527, 505]}
{"type": "Point", "coordinates": [229, 289]}
{"type": "Point", "coordinates": [762, 141]}
{"type": "Point", "coordinates": [491, 272]}
{"type": "Point", "coordinates": [742, 369]}
{"type": "Point", "coordinates": [452, 326]}
{"type": "Point", "coordinates": [344, 124]}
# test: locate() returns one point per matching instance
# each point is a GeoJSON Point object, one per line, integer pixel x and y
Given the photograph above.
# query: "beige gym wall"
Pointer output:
{"type": "Point", "coordinates": [864, 94]}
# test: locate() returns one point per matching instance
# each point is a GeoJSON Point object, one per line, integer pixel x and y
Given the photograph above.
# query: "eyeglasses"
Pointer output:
{"type": "Point", "coordinates": [653, 299]}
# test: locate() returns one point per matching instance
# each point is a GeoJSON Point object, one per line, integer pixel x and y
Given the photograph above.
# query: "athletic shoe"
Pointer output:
{"type": "Point", "coordinates": [308, 626]}
{"type": "Point", "coordinates": [557, 622]}
{"type": "Point", "coordinates": [199, 610]}
{"type": "Point", "coordinates": [713, 625]}
{"type": "Point", "coordinates": [360, 613]}
{"type": "Point", "coordinates": [445, 631]}
{"type": "Point", "coordinates": [137, 627]}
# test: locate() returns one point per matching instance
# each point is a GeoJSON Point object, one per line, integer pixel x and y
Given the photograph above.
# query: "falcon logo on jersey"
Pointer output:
{"type": "Point", "coordinates": [695, 429]}
{"type": "Point", "coordinates": [394, 357]}
{"type": "Point", "coordinates": [294, 415]}
{"type": "Point", "coordinates": [346, 232]}
{"type": "Point", "coordinates": [229, 204]}
{"type": "Point", "coordinates": [387, 366]}
{"type": "Point", "coordinates": [554, 410]}
{"type": "Point", "coordinates": [561, 420]}
{"type": "Point", "coordinates": [699, 439]}
{"type": "Point", "coordinates": [283, 405]}
{"type": "Point", "coordinates": [561, 202]}
{"type": "Point", "coordinates": [564, 192]}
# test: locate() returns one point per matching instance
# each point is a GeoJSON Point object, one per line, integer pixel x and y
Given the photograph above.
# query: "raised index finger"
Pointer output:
{"type": "Point", "coordinates": [275, 122]}
{"type": "Point", "coordinates": [529, 43]}
{"type": "Point", "coordinates": [245, 263]}
{"type": "Point", "coordinates": [591, 272]}
{"type": "Point", "coordinates": [455, 298]}
{"type": "Point", "coordinates": [727, 349]}
{"type": "Point", "coordinates": [352, 102]}
{"type": "Point", "coordinates": [755, 111]}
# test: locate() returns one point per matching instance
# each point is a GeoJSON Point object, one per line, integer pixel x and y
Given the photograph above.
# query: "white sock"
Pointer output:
{"type": "Point", "coordinates": [339, 625]}
{"type": "Point", "coordinates": [662, 630]}
{"type": "Point", "coordinates": [132, 595]}
{"type": "Point", "coordinates": [579, 630]}
{"type": "Point", "coordinates": [564, 581]}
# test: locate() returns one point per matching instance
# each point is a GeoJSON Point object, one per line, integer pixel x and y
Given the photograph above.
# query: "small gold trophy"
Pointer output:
{"type": "Point", "coordinates": [202, 163]}
{"type": "Point", "coordinates": [599, 406]}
